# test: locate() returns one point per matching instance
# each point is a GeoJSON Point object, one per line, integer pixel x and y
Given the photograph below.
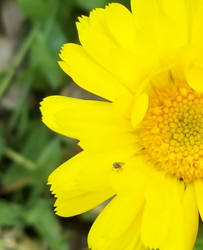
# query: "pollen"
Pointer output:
{"type": "Point", "coordinates": [171, 134]}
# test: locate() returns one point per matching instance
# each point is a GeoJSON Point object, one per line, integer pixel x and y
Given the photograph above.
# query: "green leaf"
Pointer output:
{"type": "Point", "coordinates": [2, 141]}
{"type": "Point", "coordinates": [125, 3]}
{"type": "Point", "coordinates": [56, 38]}
{"type": "Point", "coordinates": [22, 102]}
{"type": "Point", "coordinates": [11, 214]}
{"type": "Point", "coordinates": [47, 225]}
{"type": "Point", "coordinates": [91, 4]}
{"type": "Point", "coordinates": [37, 10]}
{"type": "Point", "coordinates": [51, 154]}
{"type": "Point", "coordinates": [199, 242]}
{"type": "Point", "coordinates": [31, 149]}
{"type": "Point", "coordinates": [23, 120]}
{"type": "Point", "coordinates": [49, 159]}
{"type": "Point", "coordinates": [45, 61]}
{"type": "Point", "coordinates": [37, 139]}
{"type": "Point", "coordinates": [14, 173]}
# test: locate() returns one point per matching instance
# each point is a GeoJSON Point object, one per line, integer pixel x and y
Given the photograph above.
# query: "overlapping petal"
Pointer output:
{"type": "Point", "coordinates": [162, 200]}
{"type": "Point", "coordinates": [182, 236]}
{"type": "Point", "coordinates": [89, 120]}
{"type": "Point", "coordinates": [112, 27]}
{"type": "Point", "coordinates": [165, 23]}
{"type": "Point", "coordinates": [194, 76]}
{"type": "Point", "coordinates": [92, 76]}
{"type": "Point", "coordinates": [124, 62]}
{"type": "Point", "coordinates": [113, 30]}
{"type": "Point", "coordinates": [139, 109]}
{"type": "Point", "coordinates": [82, 183]}
{"type": "Point", "coordinates": [168, 204]}
{"type": "Point", "coordinates": [195, 23]}
{"type": "Point", "coordinates": [199, 196]}
{"type": "Point", "coordinates": [118, 225]}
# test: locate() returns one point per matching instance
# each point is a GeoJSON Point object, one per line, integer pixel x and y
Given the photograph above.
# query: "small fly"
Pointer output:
{"type": "Point", "coordinates": [118, 165]}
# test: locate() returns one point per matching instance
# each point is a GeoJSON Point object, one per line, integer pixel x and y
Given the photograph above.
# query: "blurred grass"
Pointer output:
{"type": "Point", "coordinates": [28, 150]}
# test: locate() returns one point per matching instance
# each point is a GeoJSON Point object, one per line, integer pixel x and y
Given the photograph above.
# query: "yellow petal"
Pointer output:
{"type": "Point", "coordinates": [89, 74]}
{"type": "Point", "coordinates": [195, 9]}
{"type": "Point", "coordinates": [194, 78]}
{"type": "Point", "coordinates": [81, 183]}
{"type": "Point", "coordinates": [123, 143]}
{"type": "Point", "coordinates": [184, 223]}
{"type": "Point", "coordinates": [165, 22]}
{"type": "Point", "coordinates": [139, 109]}
{"type": "Point", "coordinates": [132, 176]}
{"type": "Point", "coordinates": [107, 28]}
{"type": "Point", "coordinates": [199, 196]}
{"type": "Point", "coordinates": [191, 218]}
{"type": "Point", "coordinates": [161, 199]}
{"type": "Point", "coordinates": [60, 110]}
{"type": "Point", "coordinates": [118, 225]}
{"type": "Point", "coordinates": [129, 182]}
{"type": "Point", "coordinates": [113, 30]}
{"type": "Point", "coordinates": [87, 120]}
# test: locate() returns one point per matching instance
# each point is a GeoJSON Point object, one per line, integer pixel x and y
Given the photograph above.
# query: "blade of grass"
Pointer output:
{"type": "Point", "coordinates": [17, 60]}
{"type": "Point", "coordinates": [18, 158]}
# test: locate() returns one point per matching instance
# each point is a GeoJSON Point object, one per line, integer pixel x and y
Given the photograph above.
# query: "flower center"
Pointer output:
{"type": "Point", "coordinates": [171, 134]}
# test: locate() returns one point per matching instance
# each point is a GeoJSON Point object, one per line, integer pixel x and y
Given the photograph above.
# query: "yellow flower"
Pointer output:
{"type": "Point", "coordinates": [143, 146]}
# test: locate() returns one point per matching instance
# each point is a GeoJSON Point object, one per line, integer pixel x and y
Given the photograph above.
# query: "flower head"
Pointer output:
{"type": "Point", "coordinates": [143, 146]}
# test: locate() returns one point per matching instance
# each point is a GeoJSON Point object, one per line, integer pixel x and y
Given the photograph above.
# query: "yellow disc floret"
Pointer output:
{"type": "Point", "coordinates": [172, 132]}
